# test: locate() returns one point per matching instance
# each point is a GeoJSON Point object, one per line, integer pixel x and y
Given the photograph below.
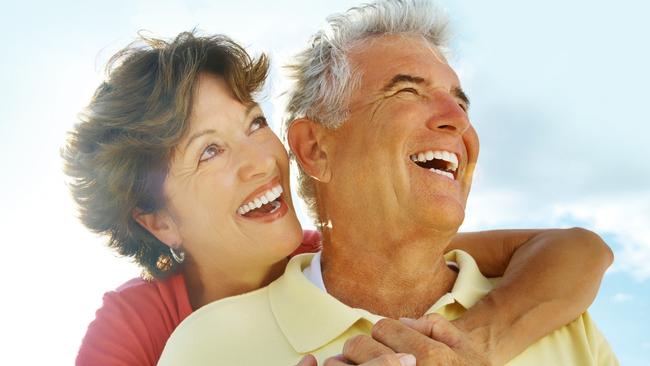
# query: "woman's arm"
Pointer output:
{"type": "Point", "coordinates": [549, 278]}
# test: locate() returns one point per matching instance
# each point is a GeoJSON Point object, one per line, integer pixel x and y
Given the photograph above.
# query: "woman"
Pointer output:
{"type": "Point", "coordinates": [175, 163]}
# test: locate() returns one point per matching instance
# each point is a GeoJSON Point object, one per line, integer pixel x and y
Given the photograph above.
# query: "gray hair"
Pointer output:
{"type": "Point", "coordinates": [323, 79]}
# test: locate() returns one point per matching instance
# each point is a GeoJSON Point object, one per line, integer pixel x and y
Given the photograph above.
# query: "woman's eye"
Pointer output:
{"type": "Point", "coordinates": [210, 152]}
{"type": "Point", "coordinates": [259, 122]}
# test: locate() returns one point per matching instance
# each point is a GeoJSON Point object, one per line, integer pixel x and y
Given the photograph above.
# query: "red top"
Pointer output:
{"type": "Point", "coordinates": [135, 321]}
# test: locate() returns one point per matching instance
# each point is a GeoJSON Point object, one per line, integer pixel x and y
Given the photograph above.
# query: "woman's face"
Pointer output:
{"type": "Point", "coordinates": [227, 164]}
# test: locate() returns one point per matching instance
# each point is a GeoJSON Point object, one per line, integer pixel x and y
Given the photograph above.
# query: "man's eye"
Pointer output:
{"type": "Point", "coordinates": [409, 90]}
{"type": "Point", "coordinates": [210, 152]}
{"type": "Point", "coordinates": [258, 123]}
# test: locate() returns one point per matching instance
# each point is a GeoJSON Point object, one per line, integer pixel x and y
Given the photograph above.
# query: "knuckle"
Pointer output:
{"type": "Point", "coordinates": [355, 344]}
{"type": "Point", "coordinates": [381, 327]}
{"type": "Point", "coordinates": [424, 350]}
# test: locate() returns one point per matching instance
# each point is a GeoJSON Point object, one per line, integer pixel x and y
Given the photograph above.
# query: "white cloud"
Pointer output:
{"type": "Point", "coordinates": [627, 218]}
{"type": "Point", "coordinates": [623, 218]}
{"type": "Point", "coordinates": [622, 297]}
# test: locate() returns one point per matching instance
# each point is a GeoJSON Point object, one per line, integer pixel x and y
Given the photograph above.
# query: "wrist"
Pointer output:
{"type": "Point", "coordinates": [486, 327]}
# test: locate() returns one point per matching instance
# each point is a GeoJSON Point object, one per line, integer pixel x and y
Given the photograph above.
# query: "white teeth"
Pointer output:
{"type": "Point", "coordinates": [443, 173]}
{"type": "Point", "coordinates": [269, 196]}
{"type": "Point", "coordinates": [429, 155]}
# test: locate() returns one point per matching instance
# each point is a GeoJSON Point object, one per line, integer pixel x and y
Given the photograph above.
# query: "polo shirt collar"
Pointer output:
{"type": "Point", "coordinates": [310, 318]}
{"type": "Point", "coordinates": [470, 286]}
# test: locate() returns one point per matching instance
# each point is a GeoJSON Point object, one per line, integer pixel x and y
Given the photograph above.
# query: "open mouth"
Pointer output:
{"type": "Point", "coordinates": [444, 163]}
{"type": "Point", "coordinates": [264, 204]}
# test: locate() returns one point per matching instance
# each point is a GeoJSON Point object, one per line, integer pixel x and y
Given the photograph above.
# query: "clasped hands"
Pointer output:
{"type": "Point", "coordinates": [430, 340]}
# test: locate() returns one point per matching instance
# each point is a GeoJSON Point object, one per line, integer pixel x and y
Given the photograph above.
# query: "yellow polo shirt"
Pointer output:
{"type": "Point", "coordinates": [278, 324]}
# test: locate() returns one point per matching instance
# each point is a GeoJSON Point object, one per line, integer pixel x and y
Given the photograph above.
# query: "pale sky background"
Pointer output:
{"type": "Point", "coordinates": [559, 94]}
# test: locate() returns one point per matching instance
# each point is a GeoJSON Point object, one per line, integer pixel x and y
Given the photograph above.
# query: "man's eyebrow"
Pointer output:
{"type": "Point", "coordinates": [460, 94]}
{"type": "Point", "coordinates": [403, 78]}
{"type": "Point", "coordinates": [198, 134]}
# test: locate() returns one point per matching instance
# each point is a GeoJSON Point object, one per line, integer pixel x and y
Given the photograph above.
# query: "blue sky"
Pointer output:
{"type": "Point", "coordinates": [558, 93]}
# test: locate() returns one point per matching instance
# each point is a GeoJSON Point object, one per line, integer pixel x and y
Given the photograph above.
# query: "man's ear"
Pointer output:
{"type": "Point", "coordinates": [161, 225]}
{"type": "Point", "coordinates": [305, 139]}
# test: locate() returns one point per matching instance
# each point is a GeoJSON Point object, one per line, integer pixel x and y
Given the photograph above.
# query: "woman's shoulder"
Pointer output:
{"type": "Point", "coordinates": [134, 322]}
{"type": "Point", "coordinates": [311, 243]}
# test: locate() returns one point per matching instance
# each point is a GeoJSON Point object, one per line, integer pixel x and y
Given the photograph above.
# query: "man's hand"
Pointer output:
{"type": "Point", "coordinates": [431, 339]}
{"type": "Point", "coordinates": [308, 360]}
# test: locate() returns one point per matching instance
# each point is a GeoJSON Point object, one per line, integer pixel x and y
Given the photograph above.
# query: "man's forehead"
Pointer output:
{"type": "Point", "coordinates": [384, 60]}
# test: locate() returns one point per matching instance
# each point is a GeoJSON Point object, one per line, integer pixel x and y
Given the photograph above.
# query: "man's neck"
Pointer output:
{"type": "Point", "coordinates": [388, 276]}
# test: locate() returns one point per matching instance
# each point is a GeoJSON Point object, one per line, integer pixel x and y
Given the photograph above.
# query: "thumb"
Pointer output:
{"type": "Point", "coordinates": [308, 360]}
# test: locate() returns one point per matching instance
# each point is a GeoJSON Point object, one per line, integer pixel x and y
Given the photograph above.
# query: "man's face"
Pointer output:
{"type": "Point", "coordinates": [406, 154]}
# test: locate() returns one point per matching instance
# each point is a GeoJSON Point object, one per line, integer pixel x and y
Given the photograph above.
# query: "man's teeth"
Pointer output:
{"type": "Point", "coordinates": [447, 156]}
{"type": "Point", "coordinates": [268, 196]}
{"type": "Point", "coordinates": [443, 173]}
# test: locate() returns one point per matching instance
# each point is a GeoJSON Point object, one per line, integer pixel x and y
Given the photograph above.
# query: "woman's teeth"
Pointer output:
{"type": "Point", "coordinates": [269, 196]}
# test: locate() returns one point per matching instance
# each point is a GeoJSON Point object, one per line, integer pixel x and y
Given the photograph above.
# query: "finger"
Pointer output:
{"type": "Point", "coordinates": [394, 359]}
{"type": "Point", "coordinates": [338, 360]}
{"type": "Point", "coordinates": [436, 327]}
{"type": "Point", "coordinates": [363, 348]}
{"type": "Point", "coordinates": [401, 338]}
{"type": "Point", "coordinates": [308, 360]}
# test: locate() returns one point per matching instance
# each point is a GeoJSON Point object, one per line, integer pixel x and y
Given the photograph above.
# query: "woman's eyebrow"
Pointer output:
{"type": "Point", "coordinates": [198, 134]}
{"type": "Point", "coordinates": [208, 131]}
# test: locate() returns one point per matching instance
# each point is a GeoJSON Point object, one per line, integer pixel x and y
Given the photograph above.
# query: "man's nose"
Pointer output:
{"type": "Point", "coordinates": [256, 161]}
{"type": "Point", "coordinates": [448, 115]}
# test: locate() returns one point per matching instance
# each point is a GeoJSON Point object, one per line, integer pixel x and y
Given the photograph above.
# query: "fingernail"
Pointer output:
{"type": "Point", "coordinates": [407, 321]}
{"type": "Point", "coordinates": [406, 359]}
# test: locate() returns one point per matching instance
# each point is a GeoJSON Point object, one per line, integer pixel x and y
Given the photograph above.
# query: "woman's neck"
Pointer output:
{"type": "Point", "coordinates": [206, 285]}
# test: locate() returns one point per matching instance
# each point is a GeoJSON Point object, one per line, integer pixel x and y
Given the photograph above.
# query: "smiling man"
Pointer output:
{"type": "Point", "coordinates": [387, 177]}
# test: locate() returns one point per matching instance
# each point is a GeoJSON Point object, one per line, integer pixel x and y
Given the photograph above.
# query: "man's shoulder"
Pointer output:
{"type": "Point", "coordinates": [577, 343]}
{"type": "Point", "coordinates": [235, 330]}
{"type": "Point", "coordinates": [235, 309]}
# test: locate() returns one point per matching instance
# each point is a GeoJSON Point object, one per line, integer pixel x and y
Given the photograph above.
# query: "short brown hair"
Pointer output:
{"type": "Point", "coordinates": [117, 156]}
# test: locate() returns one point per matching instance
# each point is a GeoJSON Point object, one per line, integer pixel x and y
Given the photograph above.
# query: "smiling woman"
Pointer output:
{"type": "Point", "coordinates": [171, 161]}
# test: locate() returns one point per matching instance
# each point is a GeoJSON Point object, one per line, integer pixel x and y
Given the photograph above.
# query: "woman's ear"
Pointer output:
{"type": "Point", "coordinates": [305, 139]}
{"type": "Point", "coordinates": [161, 225]}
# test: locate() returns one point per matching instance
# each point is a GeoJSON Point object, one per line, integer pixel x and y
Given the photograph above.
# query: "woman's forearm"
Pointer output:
{"type": "Point", "coordinates": [549, 278]}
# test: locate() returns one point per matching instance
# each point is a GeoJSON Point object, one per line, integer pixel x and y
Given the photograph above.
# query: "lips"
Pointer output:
{"type": "Point", "coordinates": [265, 203]}
{"type": "Point", "coordinates": [268, 198]}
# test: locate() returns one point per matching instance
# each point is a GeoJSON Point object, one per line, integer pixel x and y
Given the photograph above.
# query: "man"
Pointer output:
{"type": "Point", "coordinates": [387, 153]}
